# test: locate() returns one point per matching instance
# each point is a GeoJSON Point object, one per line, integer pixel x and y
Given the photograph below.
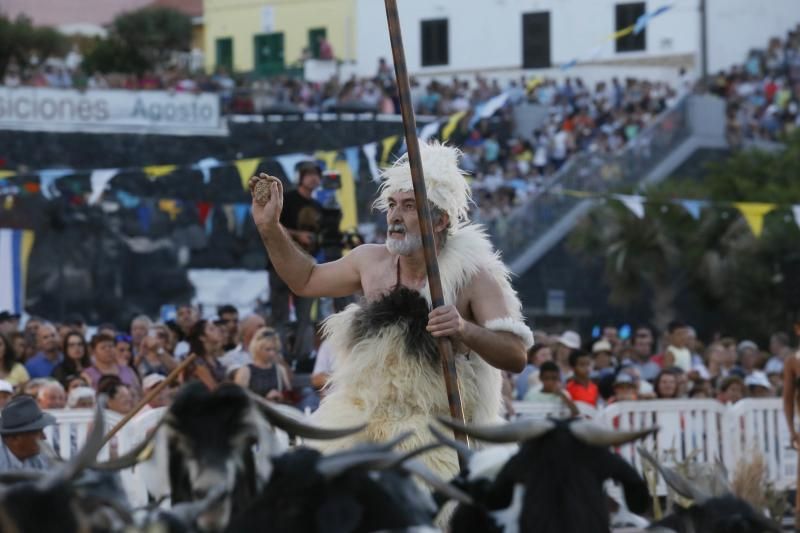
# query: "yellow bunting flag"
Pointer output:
{"type": "Point", "coordinates": [452, 122]}
{"type": "Point", "coordinates": [622, 33]}
{"type": "Point", "coordinates": [347, 197]}
{"type": "Point", "coordinates": [533, 84]}
{"type": "Point", "coordinates": [8, 203]}
{"type": "Point", "coordinates": [6, 173]}
{"type": "Point", "coordinates": [329, 158]}
{"type": "Point", "coordinates": [156, 171]}
{"type": "Point", "coordinates": [387, 144]}
{"type": "Point", "coordinates": [28, 237]}
{"type": "Point", "coordinates": [753, 213]}
{"type": "Point", "coordinates": [170, 207]}
{"type": "Point", "coordinates": [246, 168]}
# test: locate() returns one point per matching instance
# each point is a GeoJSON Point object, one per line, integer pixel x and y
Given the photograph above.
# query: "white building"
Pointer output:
{"type": "Point", "coordinates": [501, 37]}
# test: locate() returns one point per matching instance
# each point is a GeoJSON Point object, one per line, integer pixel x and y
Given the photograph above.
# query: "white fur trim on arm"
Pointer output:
{"type": "Point", "coordinates": [512, 325]}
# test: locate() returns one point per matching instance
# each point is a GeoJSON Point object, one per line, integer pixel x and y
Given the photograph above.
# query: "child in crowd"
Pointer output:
{"type": "Point", "coordinates": [551, 391]}
{"type": "Point", "coordinates": [580, 387]}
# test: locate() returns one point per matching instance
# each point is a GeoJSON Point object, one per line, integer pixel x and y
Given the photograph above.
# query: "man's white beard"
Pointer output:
{"type": "Point", "coordinates": [407, 246]}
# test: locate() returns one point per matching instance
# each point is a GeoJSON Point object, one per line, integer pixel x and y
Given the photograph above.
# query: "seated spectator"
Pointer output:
{"type": "Point", "coordinates": [118, 395]}
{"type": "Point", "coordinates": [240, 355]}
{"type": "Point", "coordinates": [21, 425]}
{"type": "Point", "coordinates": [666, 385]}
{"type": "Point", "coordinates": [152, 358]}
{"type": "Point", "coordinates": [551, 392]}
{"type": "Point", "coordinates": [73, 382]}
{"type": "Point", "coordinates": [758, 385]}
{"type": "Point", "coordinates": [205, 340]}
{"type": "Point", "coordinates": [6, 391]}
{"type": "Point", "coordinates": [32, 387]}
{"type": "Point", "coordinates": [749, 356]}
{"type": "Point", "coordinates": [81, 398]}
{"type": "Point", "coordinates": [265, 376]}
{"type": "Point", "coordinates": [41, 365]}
{"type": "Point", "coordinates": [580, 386]}
{"type": "Point", "coordinates": [104, 363]}
{"type": "Point", "coordinates": [10, 369]}
{"type": "Point", "coordinates": [123, 350]}
{"type": "Point", "coordinates": [51, 396]}
{"type": "Point", "coordinates": [731, 389]}
{"type": "Point", "coordinates": [162, 399]}
{"type": "Point", "coordinates": [537, 355]}
{"type": "Point", "coordinates": [624, 388]}
{"type": "Point", "coordinates": [76, 358]}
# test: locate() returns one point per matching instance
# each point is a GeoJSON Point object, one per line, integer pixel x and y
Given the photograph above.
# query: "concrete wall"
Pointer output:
{"type": "Point", "coordinates": [487, 34]}
{"type": "Point", "coordinates": [243, 19]}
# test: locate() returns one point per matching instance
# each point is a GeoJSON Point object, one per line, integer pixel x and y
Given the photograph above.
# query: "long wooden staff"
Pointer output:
{"type": "Point", "coordinates": [423, 212]}
{"type": "Point", "coordinates": [149, 396]}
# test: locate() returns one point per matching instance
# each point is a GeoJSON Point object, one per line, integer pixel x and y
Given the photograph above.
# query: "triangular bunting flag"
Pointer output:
{"type": "Point", "coordinates": [100, 179]}
{"type": "Point", "coordinates": [143, 215]}
{"type": "Point", "coordinates": [170, 207]}
{"type": "Point", "coordinates": [205, 166]}
{"type": "Point", "coordinates": [371, 152]}
{"type": "Point", "coordinates": [452, 122]}
{"type": "Point", "coordinates": [230, 217]}
{"type": "Point", "coordinates": [240, 212]}
{"type": "Point", "coordinates": [8, 203]}
{"type": "Point", "coordinates": [753, 213]}
{"type": "Point", "coordinates": [353, 157]}
{"type": "Point", "coordinates": [386, 150]}
{"type": "Point", "coordinates": [6, 174]}
{"type": "Point", "coordinates": [429, 130]}
{"type": "Point", "coordinates": [288, 162]}
{"type": "Point", "coordinates": [127, 200]}
{"type": "Point", "coordinates": [246, 168]}
{"type": "Point", "coordinates": [796, 213]}
{"type": "Point", "coordinates": [693, 207]}
{"type": "Point", "coordinates": [633, 202]}
{"type": "Point", "coordinates": [48, 179]}
{"type": "Point", "coordinates": [327, 157]}
{"type": "Point", "coordinates": [210, 221]}
{"type": "Point", "coordinates": [203, 209]}
{"type": "Point", "coordinates": [156, 171]}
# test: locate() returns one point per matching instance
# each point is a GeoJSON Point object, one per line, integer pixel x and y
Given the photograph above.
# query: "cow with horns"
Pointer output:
{"type": "Point", "coordinates": [720, 513]}
{"type": "Point", "coordinates": [552, 484]}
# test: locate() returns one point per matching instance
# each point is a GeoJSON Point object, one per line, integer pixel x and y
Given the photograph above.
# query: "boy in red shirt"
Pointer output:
{"type": "Point", "coordinates": [580, 387]}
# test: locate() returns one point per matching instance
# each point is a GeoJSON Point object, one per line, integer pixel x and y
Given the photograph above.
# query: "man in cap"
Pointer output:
{"type": "Point", "coordinates": [388, 373]}
{"type": "Point", "coordinates": [21, 430]}
{"type": "Point", "coordinates": [9, 322]}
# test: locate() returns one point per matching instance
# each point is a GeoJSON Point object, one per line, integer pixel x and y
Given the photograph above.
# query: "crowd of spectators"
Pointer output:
{"type": "Point", "coordinates": [563, 369]}
{"type": "Point", "coordinates": [763, 94]}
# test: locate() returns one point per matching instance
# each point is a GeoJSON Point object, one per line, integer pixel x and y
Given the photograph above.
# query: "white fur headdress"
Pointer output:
{"type": "Point", "coordinates": [444, 181]}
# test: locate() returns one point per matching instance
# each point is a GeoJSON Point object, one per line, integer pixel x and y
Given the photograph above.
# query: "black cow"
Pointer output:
{"type": "Point", "coordinates": [724, 513]}
{"type": "Point", "coordinates": [365, 489]}
{"type": "Point", "coordinates": [553, 484]}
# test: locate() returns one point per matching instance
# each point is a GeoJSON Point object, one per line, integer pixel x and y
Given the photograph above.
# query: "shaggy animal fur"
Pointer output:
{"type": "Point", "coordinates": [382, 375]}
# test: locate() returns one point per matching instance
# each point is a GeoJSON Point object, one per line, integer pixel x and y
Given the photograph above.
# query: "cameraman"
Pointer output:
{"type": "Point", "coordinates": [301, 217]}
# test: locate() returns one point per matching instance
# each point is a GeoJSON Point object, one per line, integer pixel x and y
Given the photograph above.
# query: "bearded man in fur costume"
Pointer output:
{"type": "Point", "coordinates": [387, 371]}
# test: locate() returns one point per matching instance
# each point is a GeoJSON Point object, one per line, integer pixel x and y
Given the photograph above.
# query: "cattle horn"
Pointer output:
{"type": "Point", "coordinates": [295, 426]}
{"type": "Point", "coordinates": [594, 434]}
{"type": "Point", "coordinates": [139, 453]}
{"type": "Point", "coordinates": [87, 455]}
{"type": "Point", "coordinates": [331, 466]}
{"type": "Point", "coordinates": [413, 453]}
{"type": "Point", "coordinates": [511, 432]}
{"type": "Point", "coordinates": [461, 449]}
{"type": "Point", "coordinates": [676, 481]}
{"type": "Point", "coordinates": [423, 472]}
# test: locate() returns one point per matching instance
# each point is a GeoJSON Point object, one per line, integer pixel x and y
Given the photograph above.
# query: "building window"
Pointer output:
{"type": "Point", "coordinates": [627, 15]}
{"type": "Point", "coordinates": [434, 42]}
{"type": "Point", "coordinates": [536, 40]}
{"type": "Point", "coordinates": [225, 53]}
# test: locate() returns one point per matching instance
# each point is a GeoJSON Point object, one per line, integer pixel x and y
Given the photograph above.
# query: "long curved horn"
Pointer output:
{"type": "Point", "coordinates": [295, 426]}
{"type": "Point", "coordinates": [423, 472]}
{"type": "Point", "coordinates": [511, 432]}
{"type": "Point", "coordinates": [596, 435]}
{"type": "Point", "coordinates": [389, 445]}
{"type": "Point", "coordinates": [676, 481]}
{"type": "Point", "coordinates": [461, 449]}
{"type": "Point", "coordinates": [413, 453]}
{"type": "Point", "coordinates": [85, 458]}
{"type": "Point", "coordinates": [331, 466]}
{"type": "Point", "coordinates": [139, 453]}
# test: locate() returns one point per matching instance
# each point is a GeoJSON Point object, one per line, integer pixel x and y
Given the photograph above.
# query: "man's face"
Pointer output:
{"type": "Point", "coordinates": [311, 180]}
{"type": "Point", "coordinates": [551, 382]}
{"type": "Point", "coordinates": [230, 325]}
{"type": "Point", "coordinates": [8, 325]}
{"type": "Point", "coordinates": [602, 360]}
{"type": "Point", "coordinates": [583, 367]}
{"type": "Point", "coordinates": [625, 392]}
{"type": "Point", "coordinates": [46, 338]}
{"type": "Point", "coordinates": [24, 445]}
{"type": "Point", "coordinates": [735, 392]}
{"type": "Point", "coordinates": [138, 330]}
{"type": "Point", "coordinates": [611, 334]}
{"type": "Point", "coordinates": [52, 398]}
{"type": "Point", "coordinates": [104, 352]}
{"type": "Point", "coordinates": [185, 317]}
{"type": "Point", "coordinates": [643, 343]}
{"type": "Point", "coordinates": [680, 338]}
{"type": "Point", "coordinates": [32, 326]}
{"type": "Point", "coordinates": [403, 235]}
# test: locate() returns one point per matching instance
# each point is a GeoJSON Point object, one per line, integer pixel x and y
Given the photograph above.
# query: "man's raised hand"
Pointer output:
{"type": "Point", "coordinates": [267, 207]}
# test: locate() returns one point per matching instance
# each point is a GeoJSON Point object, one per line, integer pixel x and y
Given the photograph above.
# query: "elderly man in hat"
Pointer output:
{"type": "Point", "coordinates": [21, 425]}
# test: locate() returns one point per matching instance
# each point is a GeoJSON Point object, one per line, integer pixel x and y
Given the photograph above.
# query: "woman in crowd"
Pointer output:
{"type": "Point", "coordinates": [10, 370]}
{"type": "Point", "coordinates": [666, 385]}
{"type": "Point", "coordinates": [76, 358]}
{"type": "Point", "coordinates": [152, 358]}
{"type": "Point", "coordinates": [105, 364]}
{"type": "Point", "coordinates": [118, 395]}
{"type": "Point", "coordinates": [123, 350]}
{"type": "Point", "coordinates": [205, 340]}
{"type": "Point", "coordinates": [265, 376]}
{"type": "Point", "coordinates": [75, 381]}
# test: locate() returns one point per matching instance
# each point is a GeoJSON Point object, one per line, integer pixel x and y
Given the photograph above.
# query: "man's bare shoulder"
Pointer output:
{"type": "Point", "coordinates": [370, 253]}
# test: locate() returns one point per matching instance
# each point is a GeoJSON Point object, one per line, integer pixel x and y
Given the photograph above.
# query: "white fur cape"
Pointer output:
{"type": "Point", "coordinates": [374, 382]}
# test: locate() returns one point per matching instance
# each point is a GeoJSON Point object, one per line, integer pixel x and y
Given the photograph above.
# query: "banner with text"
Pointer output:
{"type": "Point", "coordinates": [110, 111]}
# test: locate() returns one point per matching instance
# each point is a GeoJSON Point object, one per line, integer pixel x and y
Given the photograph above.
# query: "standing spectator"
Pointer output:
{"type": "Point", "coordinates": [104, 363]}
{"type": "Point", "coordinates": [140, 325]}
{"type": "Point", "coordinates": [537, 355]}
{"type": "Point", "coordinates": [568, 342]}
{"type": "Point", "coordinates": [603, 361]}
{"type": "Point", "coordinates": [21, 425]}
{"type": "Point", "coordinates": [205, 340]}
{"type": "Point", "coordinates": [76, 358]}
{"type": "Point", "coordinates": [265, 376]}
{"type": "Point", "coordinates": [48, 356]}
{"type": "Point", "coordinates": [666, 385]}
{"type": "Point", "coordinates": [779, 350]}
{"type": "Point", "coordinates": [229, 323]}
{"type": "Point", "coordinates": [643, 340]}
{"type": "Point", "coordinates": [677, 353]}
{"type": "Point", "coordinates": [749, 356]}
{"type": "Point", "coordinates": [10, 370]}
{"type": "Point", "coordinates": [240, 355]}
{"type": "Point", "coordinates": [580, 386]}
{"type": "Point", "coordinates": [152, 358]}
{"type": "Point", "coordinates": [325, 48]}
{"type": "Point", "coordinates": [51, 396]}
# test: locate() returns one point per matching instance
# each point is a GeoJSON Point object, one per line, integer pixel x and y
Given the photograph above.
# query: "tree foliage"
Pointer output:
{"type": "Point", "coordinates": [713, 266]}
{"type": "Point", "coordinates": [140, 40]}
{"type": "Point", "coordinates": [21, 42]}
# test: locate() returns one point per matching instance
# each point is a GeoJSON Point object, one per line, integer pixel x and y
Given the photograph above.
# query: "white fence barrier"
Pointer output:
{"type": "Point", "coordinates": [706, 429]}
